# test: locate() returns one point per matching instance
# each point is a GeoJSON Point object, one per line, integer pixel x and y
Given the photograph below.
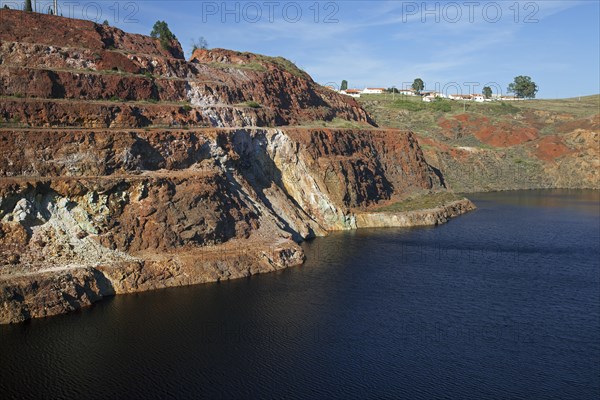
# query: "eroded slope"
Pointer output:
{"type": "Point", "coordinates": [124, 167]}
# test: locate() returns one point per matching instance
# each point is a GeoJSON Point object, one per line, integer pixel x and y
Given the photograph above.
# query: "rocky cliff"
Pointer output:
{"type": "Point", "coordinates": [125, 168]}
{"type": "Point", "coordinates": [49, 65]}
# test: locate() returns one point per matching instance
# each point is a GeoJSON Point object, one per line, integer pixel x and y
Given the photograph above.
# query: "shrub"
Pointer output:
{"type": "Point", "coordinates": [507, 108]}
{"type": "Point", "coordinates": [441, 105]}
{"type": "Point", "coordinates": [201, 43]}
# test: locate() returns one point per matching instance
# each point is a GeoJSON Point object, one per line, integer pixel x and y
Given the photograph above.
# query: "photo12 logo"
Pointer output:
{"type": "Point", "coordinates": [448, 89]}
{"type": "Point", "coordinates": [270, 11]}
{"type": "Point", "coordinates": [470, 11]}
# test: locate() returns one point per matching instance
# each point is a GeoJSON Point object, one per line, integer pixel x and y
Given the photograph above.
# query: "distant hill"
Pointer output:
{"type": "Point", "coordinates": [502, 145]}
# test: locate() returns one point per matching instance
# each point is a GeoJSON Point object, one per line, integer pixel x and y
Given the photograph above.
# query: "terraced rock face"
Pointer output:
{"type": "Point", "coordinates": [73, 60]}
{"type": "Point", "coordinates": [124, 167]}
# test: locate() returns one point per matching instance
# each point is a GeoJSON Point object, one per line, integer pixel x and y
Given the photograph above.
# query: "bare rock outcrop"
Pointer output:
{"type": "Point", "coordinates": [124, 167]}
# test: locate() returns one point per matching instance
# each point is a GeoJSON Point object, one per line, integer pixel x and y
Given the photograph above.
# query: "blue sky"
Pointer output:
{"type": "Point", "coordinates": [464, 44]}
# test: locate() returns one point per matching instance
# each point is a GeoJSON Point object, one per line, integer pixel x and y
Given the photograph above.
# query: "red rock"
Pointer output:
{"type": "Point", "coordinates": [195, 185]}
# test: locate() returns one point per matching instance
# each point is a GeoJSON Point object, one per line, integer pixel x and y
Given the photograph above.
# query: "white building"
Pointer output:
{"type": "Point", "coordinates": [373, 91]}
{"type": "Point", "coordinates": [510, 98]}
{"type": "Point", "coordinates": [407, 92]}
{"type": "Point", "coordinates": [459, 97]}
{"type": "Point", "coordinates": [430, 96]}
{"type": "Point", "coordinates": [351, 92]}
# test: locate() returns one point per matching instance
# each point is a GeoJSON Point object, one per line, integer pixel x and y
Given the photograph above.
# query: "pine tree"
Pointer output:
{"type": "Point", "coordinates": [161, 31]}
{"type": "Point", "coordinates": [28, 6]}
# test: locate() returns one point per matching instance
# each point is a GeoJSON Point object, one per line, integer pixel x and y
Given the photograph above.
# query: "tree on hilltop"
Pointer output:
{"type": "Point", "coordinates": [28, 6]}
{"type": "Point", "coordinates": [418, 85]}
{"type": "Point", "coordinates": [161, 31]}
{"type": "Point", "coordinates": [487, 92]}
{"type": "Point", "coordinates": [344, 85]}
{"type": "Point", "coordinates": [201, 43]}
{"type": "Point", "coordinates": [523, 87]}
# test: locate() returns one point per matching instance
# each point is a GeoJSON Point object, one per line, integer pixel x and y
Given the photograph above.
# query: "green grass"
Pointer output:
{"type": "Point", "coordinates": [436, 105]}
{"type": "Point", "coordinates": [250, 66]}
{"type": "Point", "coordinates": [440, 105]}
{"type": "Point", "coordinates": [410, 112]}
{"type": "Point", "coordinates": [503, 108]}
{"type": "Point", "coordinates": [422, 202]}
{"type": "Point", "coordinates": [407, 105]}
{"type": "Point", "coordinates": [336, 123]}
{"type": "Point", "coordinates": [251, 104]}
{"type": "Point", "coordinates": [584, 106]}
{"type": "Point", "coordinates": [415, 103]}
{"type": "Point", "coordinates": [488, 168]}
{"type": "Point", "coordinates": [258, 65]}
{"type": "Point", "coordinates": [283, 63]}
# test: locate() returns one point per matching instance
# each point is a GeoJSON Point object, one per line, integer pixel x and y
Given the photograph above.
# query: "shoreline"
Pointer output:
{"type": "Point", "coordinates": [426, 217]}
{"type": "Point", "coordinates": [61, 290]}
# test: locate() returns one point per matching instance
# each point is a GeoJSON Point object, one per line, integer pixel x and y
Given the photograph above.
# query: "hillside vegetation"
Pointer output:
{"type": "Point", "coordinates": [501, 145]}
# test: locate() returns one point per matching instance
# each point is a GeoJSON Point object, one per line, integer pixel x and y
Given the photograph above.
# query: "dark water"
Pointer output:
{"type": "Point", "coordinates": [500, 303]}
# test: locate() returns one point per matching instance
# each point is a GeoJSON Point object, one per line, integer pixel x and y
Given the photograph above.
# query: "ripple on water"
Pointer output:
{"type": "Point", "coordinates": [500, 303]}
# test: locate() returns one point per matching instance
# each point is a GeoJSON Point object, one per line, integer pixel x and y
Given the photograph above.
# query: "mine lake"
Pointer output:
{"type": "Point", "coordinates": [502, 302]}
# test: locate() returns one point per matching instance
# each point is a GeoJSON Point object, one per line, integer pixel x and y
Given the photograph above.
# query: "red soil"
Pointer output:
{"type": "Point", "coordinates": [497, 134]}
{"type": "Point", "coordinates": [551, 147]}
